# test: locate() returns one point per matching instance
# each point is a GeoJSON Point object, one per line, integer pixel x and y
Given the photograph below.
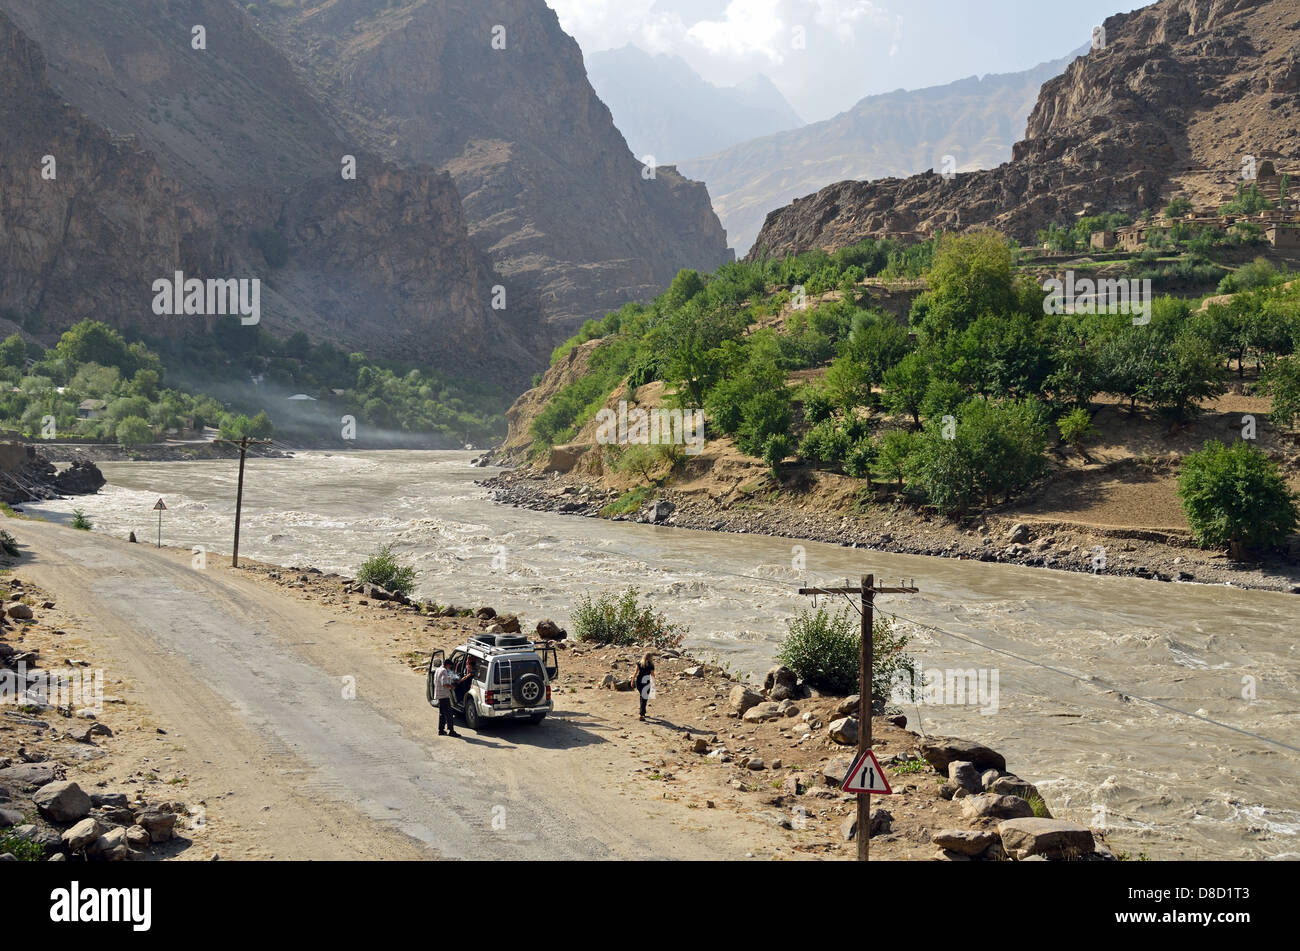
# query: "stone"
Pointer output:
{"type": "Point", "coordinates": [509, 623]}
{"type": "Point", "coordinates": [623, 685]}
{"type": "Point", "coordinates": [836, 768]}
{"type": "Point", "coordinates": [83, 833]}
{"type": "Point", "coordinates": [755, 763]}
{"type": "Point", "coordinates": [762, 712]}
{"type": "Point", "coordinates": [882, 820]}
{"type": "Point", "coordinates": [1009, 784]}
{"type": "Point", "coordinates": [62, 801]}
{"type": "Point", "coordinates": [609, 681]}
{"type": "Point", "coordinates": [742, 698]}
{"type": "Point", "coordinates": [138, 838]}
{"type": "Point", "coordinates": [987, 778]}
{"type": "Point", "coordinates": [548, 630]}
{"type": "Point", "coordinates": [158, 824]}
{"type": "Point", "coordinates": [963, 774]}
{"type": "Point", "coordinates": [1018, 534]}
{"type": "Point", "coordinates": [964, 841]}
{"type": "Point", "coordinates": [701, 745]}
{"type": "Point", "coordinates": [20, 612]}
{"type": "Point", "coordinates": [848, 707]}
{"type": "Point", "coordinates": [780, 676]}
{"type": "Point", "coordinates": [115, 799]}
{"type": "Point", "coordinates": [844, 731]}
{"type": "Point", "coordinates": [1049, 838]}
{"type": "Point", "coordinates": [939, 751]}
{"type": "Point", "coordinates": [9, 817]}
{"type": "Point", "coordinates": [993, 806]}
{"type": "Point", "coordinates": [696, 671]}
{"type": "Point", "coordinates": [660, 510]}
{"type": "Point", "coordinates": [110, 847]}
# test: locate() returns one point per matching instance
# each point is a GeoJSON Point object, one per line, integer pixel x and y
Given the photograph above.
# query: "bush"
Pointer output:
{"type": "Point", "coordinates": [1236, 497]}
{"type": "Point", "coordinates": [382, 568]}
{"type": "Point", "coordinates": [1282, 382]}
{"type": "Point", "coordinates": [858, 460]}
{"type": "Point", "coordinates": [134, 431]}
{"type": "Point", "coordinates": [80, 521]}
{"type": "Point", "coordinates": [1076, 427]}
{"type": "Point", "coordinates": [8, 544]}
{"type": "Point", "coordinates": [775, 450]}
{"type": "Point", "coordinates": [622, 621]}
{"type": "Point", "coordinates": [825, 649]}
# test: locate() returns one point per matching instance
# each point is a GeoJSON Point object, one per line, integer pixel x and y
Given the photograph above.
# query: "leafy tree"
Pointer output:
{"type": "Point", "coordinates": [775, 450]}
{"type": "Point", "coordinates": [824, 649]}
{"type": "Point", "coordinates": [1236, 496]}
{"type": "Point", "coordinates": [13, 352]}
{"type": "Point", "coordinates": [905, 386]}
{"type": "Point", "coordinates": [1282, 382]}
{"type": "Point", "coordinates": [133, 431]}
{"type": "Point", "coordinates": [894, 449]}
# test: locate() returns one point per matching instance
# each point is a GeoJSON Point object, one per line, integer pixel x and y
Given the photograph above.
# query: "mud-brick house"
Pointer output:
{"type": "Point", "coordinates": [91, 409]}
{"type": "Point", "coordinates": [1102, 240]}
{"type": "Point", "coordinates": [1283, 234]}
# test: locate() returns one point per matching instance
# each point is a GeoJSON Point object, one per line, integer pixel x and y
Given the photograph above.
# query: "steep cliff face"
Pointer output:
{"type": "Point", "coordinates": [381, 263]}
{"type": "Point", "coordinates": [496, 93]}
{"type": "Point", "coordinates": [1179, 93]}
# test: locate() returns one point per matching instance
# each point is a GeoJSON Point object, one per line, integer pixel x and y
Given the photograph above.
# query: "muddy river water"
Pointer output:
{"type": "Point", "coordinates": [1070, 654]}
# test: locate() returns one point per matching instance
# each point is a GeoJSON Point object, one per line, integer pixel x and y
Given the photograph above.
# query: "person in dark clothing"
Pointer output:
{"type": "Point", "coordinates": [463, 685]}
{"type": "Point", "coordinates": [643, 679]}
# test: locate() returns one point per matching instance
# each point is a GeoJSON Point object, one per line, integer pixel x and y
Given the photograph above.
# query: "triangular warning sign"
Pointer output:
{"type": "Point", "coordinates": [866, 776]}
{"type": "Point", "coordinates": [159, 506]}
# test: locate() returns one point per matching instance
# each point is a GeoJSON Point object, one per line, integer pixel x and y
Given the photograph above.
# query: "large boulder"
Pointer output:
{"type": "Point", "coordinates": [509, 623]}
{"type": "Point", "coordinates": [81, 478]}
{"type": "Point", "coordinates": [83, 833]}
{"type": "Point", "coordinates": [993, 806]}
{"type": "Point", "coordinates": [1050, 838]}
{"type": "Point", "coordinates": [742, 698]}
{"type": "Point", "coordinates": [548, 630]}
{"type": "Point", "coordinates": [964, 841]}
{"type": "Point", "coordinates": [158, 824]}
{"type": "Point", "coordinates": [849, 706]}
{"type": "Point", "coordinates": [20, 612]}
{"type": "Point", "coordinates": [110, 847]}
{"type": "Point", "coordinates": [62, 801]}
{"type": "Point", "coordinates": [836, 768]}
{"type": "Point", "coordinates": [964, 776]}
{"type": "Point", "coordinates": [780, 676]}
{"type": "Point", "coordinates": [844, 731]}
{"type": "Point", "coordinates": [939, 751]}
{"type": "Point", "coordinates": [762, 712]}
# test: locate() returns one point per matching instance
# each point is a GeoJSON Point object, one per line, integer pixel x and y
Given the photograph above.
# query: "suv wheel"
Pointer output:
{"type": "Point", "coordinates": [471, 712]}
{"type": "Point", "coordinates": [531, 689]}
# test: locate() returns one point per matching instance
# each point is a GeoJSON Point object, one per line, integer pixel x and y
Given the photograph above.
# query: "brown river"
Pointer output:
{"type": "Point", "coordinates": [1065, 660]}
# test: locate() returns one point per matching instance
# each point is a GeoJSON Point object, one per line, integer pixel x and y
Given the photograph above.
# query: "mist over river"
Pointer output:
{"type": "Point", "coordinates": [1164, 784]}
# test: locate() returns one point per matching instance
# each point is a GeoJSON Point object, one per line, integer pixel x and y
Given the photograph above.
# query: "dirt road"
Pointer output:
{"type": "Point", "coordinates": [306, 742]}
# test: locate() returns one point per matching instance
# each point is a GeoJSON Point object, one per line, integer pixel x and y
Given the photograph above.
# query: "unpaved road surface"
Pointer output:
{"type": "Point", "coordinates": [306, 742]}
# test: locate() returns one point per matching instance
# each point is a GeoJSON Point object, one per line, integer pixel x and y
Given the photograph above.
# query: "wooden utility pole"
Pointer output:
{"type": "Point", "coordinates": [866, 664]}
{"type": "Point", "coordinates": [243, 445]}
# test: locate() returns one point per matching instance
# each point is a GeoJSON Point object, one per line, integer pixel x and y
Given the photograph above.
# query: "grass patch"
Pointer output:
{"type": "Point", "coordinates": [630, 501]}
{"type": "Point", "coordinates": [24, 850]}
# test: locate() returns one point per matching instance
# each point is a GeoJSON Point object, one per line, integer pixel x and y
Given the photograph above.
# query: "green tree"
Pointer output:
{"type": "Point", "coordinates": [1281, 381]}
{"type": "Point", "coordinates": [905, 386]}
{"type": "Point", "coordinates": [134, 431]}
{"type": "Point", "coordinates": [1076, 428]}
{"type": "Point", "coordinates": [13, 352]}
{"type": "Point", "coordinates": [1236, 496]}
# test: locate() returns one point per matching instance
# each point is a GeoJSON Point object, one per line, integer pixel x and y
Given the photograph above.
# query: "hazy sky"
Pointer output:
{"type": "Point", "coordinates": [850, 48]}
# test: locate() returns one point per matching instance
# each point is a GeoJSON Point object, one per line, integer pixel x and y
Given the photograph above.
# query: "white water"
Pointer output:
{"type": "Point", "coordinates": [1164, 784]}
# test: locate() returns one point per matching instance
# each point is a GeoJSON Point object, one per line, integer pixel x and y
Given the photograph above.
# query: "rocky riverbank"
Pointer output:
{"type": "Point", "coordinates": [990, 537]}
{"type": "Point", "coordinates": [774, 752]}
{"type": "Point", "coordinates": [27, 475]}
{"type": "Point", "coordinates": [56, 801]}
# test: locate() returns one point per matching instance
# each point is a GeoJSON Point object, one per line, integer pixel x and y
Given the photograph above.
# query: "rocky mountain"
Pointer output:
{"type": "Point", "coordinates": [216, 163]}
{"type": "Point", "coordinates": [495, 93]}
{"type": "Point", "coordinates": [666, 109]}
{"type": "Point", "coordinates": [975, 120]}
{"type": "Point", "coordinates": [492, 195]}
{"type": "Point", "coordinates": [1179, 93]}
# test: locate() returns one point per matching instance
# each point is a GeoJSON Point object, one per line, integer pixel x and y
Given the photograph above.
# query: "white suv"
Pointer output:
{"type": "Point", "coordinates": [512, 680]}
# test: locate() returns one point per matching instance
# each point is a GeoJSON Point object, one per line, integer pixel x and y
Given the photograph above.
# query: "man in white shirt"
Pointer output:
{"type": "Point", "coordinates": [443, 681]}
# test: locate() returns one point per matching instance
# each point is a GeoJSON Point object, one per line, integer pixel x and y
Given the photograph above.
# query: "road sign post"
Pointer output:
{"type": "Point", "coordinates": [160, 506]}
{"type": "Point", "coordinates": [865, 774]}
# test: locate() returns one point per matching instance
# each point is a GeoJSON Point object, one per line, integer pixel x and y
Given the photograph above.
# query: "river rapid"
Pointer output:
{"type": "Point", "coordinates": [1069, 653]}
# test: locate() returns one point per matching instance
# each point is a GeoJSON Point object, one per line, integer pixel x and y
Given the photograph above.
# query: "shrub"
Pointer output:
{"type": "Point", "coordinates": [825, 649]}
{"type": "Point", "coordinates": [134, 431]}
{"type": "Point", "coordinates": [80, 521]}
{"type": "Point", "coordinates": [858, 460]}
{"type": "Point", "coordinates": [623, 621]}
{"type": "Point", "coordinates": [1076, 427]}
{"type": "Point", "coordinates": [775, 450]}
{"type": "Point", "coordinates": [382, 568]}
{"type": "Point", "coordinates": [8, 544]}
{"type": "Point", "coordinates": [1236, 497]}
{"type": "Point", "coordinates": [1282, 382]}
